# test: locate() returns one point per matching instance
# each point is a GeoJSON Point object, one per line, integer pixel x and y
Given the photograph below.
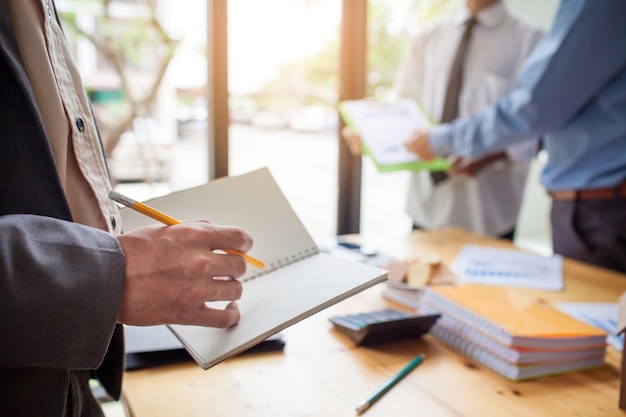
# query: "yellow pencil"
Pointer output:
{"type": "Point", "coordinates": [165, 219]}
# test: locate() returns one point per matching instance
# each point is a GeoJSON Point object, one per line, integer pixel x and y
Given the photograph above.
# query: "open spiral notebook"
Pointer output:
{"type": "Point", "coordinates": [297, 281]}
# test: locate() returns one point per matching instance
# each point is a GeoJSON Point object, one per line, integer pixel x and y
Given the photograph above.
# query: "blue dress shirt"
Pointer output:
{"type": "Point", "coordinates": [572, 91]}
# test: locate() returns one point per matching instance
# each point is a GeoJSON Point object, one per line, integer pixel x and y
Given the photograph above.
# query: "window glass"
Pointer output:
{"type": "Point", "coordinates": [144, 66]}
{"type": "Point", "coordinates": [283, 77]}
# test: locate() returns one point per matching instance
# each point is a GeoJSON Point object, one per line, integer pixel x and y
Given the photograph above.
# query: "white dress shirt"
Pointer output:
{"type": "Point", "coordinates": [489, 202]}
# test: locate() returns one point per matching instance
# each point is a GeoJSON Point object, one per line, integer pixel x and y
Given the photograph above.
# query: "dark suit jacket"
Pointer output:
{"type": "Point", "coordinates": [60, 282]}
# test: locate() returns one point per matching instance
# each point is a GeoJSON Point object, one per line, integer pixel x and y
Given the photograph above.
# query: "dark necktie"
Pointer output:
{"type": "Point", "coordinates": [451, 103]}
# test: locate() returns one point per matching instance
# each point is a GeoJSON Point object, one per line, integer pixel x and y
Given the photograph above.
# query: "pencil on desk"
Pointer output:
{"type": "Point", "coordinates": [165, 219]}
{"type": "Point", "coordinates": [365, 404]}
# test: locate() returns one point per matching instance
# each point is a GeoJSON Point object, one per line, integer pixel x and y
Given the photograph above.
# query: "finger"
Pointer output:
{"type": "Point", "coordinates": [411, 143]}
{"type": "Point", "coordinates": [189, 298]}
{"type": "Point", "coordinates": [225, 318]}
{"type": "Point", "coordinates": [217, 237]}
{"type": "Point", "coordinates": [355, 148]}
{"type": "Point", "coordinates": [354, 144]}
{"type": "Point", "coordinates": [455, 160]}
{"type": "Point", "coordinates": [214, 317]}
{"type": "Point", "coordinates": [455, 166]}
{"type": "Point", "coordinates": [222, 289]}
{"type": "Point", "coordinates": [233, 265]}
{"type": "Point", "coordinates": [420, 145]}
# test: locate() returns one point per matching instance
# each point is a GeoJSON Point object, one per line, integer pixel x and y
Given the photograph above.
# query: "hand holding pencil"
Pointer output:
{"type": "Point", "coordinates": [165, 219]}
{"type": "Point", "coordinates": [172, 272]}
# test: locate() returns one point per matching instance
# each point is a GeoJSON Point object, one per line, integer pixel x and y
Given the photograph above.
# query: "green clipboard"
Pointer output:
{"type": "Point", "coordinates": [383, 127]}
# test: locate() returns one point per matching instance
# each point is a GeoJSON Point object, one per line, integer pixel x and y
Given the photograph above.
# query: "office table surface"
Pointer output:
{"type": "Point", "coordinates": [321, 373]}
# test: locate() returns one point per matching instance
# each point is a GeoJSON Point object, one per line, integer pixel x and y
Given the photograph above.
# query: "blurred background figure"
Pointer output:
{"type": "Point", "coordinates": [572, 90]}
{"type": "Point", "coordinates": [454, 68]}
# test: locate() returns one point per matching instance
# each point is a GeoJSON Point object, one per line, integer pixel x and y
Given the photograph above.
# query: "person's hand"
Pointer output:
{"type": "Point", "coordinates": [171, 271]}
{"type": "Point", "coordinates": [352, 139]}
{"type": "Point", "coordinates": [459, 166]}
{"type": "Point", "coordinates": [469, 168]}
{"type": "Point", "coordinates": [419, 145]}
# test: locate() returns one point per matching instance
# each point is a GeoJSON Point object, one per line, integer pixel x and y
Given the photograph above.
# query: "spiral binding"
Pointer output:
{"type": "Point", "coordinates": [480, 324]}
{"type": "Point", "coordinates": [281, 263]}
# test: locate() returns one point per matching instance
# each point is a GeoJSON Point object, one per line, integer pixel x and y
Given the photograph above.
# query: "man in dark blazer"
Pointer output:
{"type": "Point", "coordinates": [66, 287]}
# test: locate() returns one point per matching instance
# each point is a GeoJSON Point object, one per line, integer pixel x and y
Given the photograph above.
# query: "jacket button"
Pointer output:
{"type": "Point", "coordinates": [80, 124]}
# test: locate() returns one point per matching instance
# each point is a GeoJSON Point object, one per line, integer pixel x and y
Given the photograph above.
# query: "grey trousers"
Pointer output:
{"type": "Point", "coordinates": [592, 231]}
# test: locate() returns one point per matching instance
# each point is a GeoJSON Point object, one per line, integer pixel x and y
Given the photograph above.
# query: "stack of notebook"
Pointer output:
{"type": "Point", "coordinates": [513, 335]}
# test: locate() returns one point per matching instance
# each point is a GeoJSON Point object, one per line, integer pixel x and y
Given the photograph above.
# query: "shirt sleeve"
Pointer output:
{"type": "Point", "coordinates": [61, 286]}
{"type": "Point", "coordinates": [581, 54]}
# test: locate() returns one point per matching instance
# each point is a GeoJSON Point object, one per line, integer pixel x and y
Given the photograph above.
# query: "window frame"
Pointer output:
{"type": "Point", "coordinates": [352, 85]}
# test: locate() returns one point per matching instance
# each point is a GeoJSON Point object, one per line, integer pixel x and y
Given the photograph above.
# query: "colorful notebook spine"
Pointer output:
{"type": "Point", "coordinates": [532, 349]}
{"type": "Point", "coordinates": [507, 369]}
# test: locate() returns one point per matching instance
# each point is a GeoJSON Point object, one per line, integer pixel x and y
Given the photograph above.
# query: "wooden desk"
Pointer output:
{"type": "Point", "coordinates": [321, 373]}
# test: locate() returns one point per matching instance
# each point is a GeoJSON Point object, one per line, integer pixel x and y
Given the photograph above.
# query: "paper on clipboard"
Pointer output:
{"type": "Point", "coordinates": [384, 127]}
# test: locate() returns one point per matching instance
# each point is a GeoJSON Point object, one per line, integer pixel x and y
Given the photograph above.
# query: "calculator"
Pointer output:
{"type": "Point", "coordinates": [386, 325]}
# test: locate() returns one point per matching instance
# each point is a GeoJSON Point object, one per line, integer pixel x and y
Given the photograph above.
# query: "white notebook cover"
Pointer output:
{"type": "Point", "coordinates": [298, 279]}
